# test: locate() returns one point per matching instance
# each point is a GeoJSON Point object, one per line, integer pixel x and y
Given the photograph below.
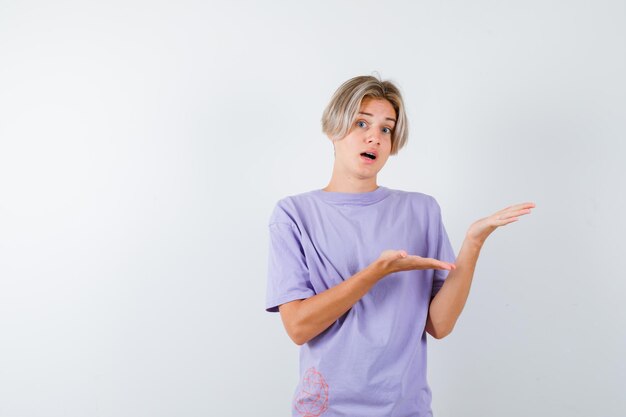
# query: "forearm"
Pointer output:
{"type": "Point", "coordinates": [447, 305]}
{"type": "Point", "coordinates": [315, 314]}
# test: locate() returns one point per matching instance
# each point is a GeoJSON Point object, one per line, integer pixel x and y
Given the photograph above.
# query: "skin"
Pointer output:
{"type": "Point", "coordinates": [350, 173]}
{"type": "Point", "coordinates": [305, 319]}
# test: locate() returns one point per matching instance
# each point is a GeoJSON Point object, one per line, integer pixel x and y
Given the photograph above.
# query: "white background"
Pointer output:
{"type": "Point", "coordinates": [143, 146]}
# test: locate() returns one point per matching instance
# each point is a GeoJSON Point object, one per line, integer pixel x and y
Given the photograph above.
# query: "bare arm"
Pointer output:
{"type": "Point", "coordinates": [305, 319]}
{"type": "Point", "coordinates": [448, 304]}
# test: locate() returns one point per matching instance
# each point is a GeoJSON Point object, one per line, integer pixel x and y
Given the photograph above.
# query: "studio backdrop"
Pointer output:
{"type": "Point", "coordinates": [143, 146]}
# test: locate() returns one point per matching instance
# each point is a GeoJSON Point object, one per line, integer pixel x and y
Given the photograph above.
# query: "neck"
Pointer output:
{"type": "Point", "coordinates": [351, 185]}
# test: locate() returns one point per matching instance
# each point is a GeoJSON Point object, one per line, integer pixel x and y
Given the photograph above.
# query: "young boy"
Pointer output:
{"type": "Point", "coordinates": [360, 272]}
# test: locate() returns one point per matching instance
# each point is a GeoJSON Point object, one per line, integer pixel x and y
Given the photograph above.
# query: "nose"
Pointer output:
{"type": "Point", "coordinates": [374, 138]}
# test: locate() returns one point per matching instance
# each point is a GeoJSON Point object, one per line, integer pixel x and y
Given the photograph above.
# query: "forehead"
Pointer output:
{"type": "Point", "coordinates": [378, 107]}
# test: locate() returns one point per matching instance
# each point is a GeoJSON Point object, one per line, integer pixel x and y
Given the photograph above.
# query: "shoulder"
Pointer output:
{"type": "Point", "coordinates": [288, 209]}
{"type": "Point", "coordinates": [417, 200]}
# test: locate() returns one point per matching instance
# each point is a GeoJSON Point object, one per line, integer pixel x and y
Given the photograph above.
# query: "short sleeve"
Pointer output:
{"type": "Point", "coordinates": [288, 274]}
{"type": "Point", "coordinates": [445, 253]}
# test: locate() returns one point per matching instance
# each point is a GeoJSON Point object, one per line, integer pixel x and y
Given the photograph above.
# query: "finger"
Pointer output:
{"type": "Point", "coordinates": [429, 263]}
{"type": "Point", "coordinates": [520, 206]}
{"type": "Point", "coordinates": [447, 266]}
{"type": "Point", "coordinates": [437, 264]}
{"type": "Point", "coordinates": [513, 213]}
{"type": "Point", "coordinates": [506, 221]}
{"type": "Point", "coordinates": [523, 212]}
{"type": "Point", "coordinates": [528, 204]}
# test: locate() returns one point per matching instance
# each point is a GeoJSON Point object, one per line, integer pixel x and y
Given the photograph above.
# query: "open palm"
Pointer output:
{"type": "Point", "coordinates": [480, 230]}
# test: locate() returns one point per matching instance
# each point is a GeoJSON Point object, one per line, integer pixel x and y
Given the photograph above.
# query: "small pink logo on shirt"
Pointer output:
{"type": "Point", "coordinates": [312, 400]}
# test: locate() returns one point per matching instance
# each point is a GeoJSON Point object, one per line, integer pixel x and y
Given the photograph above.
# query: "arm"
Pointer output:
{"type": "Point", "coordinates": [305, 319]}
{"type": "Point", "coordinates": [447, 305]}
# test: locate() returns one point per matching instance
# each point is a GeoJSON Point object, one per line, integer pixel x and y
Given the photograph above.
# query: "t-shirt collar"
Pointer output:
{"type": "Point", "coordinates": [358, 199]}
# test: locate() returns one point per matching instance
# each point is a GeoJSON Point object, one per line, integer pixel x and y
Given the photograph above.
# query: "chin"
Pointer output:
{"type": "Point", "coordinates": [367, 176]}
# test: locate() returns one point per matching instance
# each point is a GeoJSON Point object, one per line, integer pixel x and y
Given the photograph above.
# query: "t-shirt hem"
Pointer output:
{"type": "Point", "coordinates": [272, 307]}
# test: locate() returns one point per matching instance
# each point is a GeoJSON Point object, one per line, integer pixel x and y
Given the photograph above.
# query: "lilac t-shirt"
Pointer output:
{"type": "Point", "coordinates": [372, 360]}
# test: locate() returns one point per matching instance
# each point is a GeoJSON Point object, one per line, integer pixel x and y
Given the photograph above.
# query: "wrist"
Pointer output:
{"type": "Point", "coordinates": [474, 243]}
{"type": "Point", "coordinates": [378, 269]}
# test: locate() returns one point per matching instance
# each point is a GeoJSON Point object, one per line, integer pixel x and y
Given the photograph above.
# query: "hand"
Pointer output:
{"type": "Point", "coordinates": [480, 230]}
{"type": "Point", "coordinates": [398, 260]}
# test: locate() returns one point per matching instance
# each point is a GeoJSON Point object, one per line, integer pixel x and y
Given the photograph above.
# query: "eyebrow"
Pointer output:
{"type": "Point", "coordinates": [371, 115]}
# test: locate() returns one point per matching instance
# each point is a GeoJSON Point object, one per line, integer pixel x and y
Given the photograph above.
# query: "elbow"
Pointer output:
{"type": "Point", "coordinates": [299, 328]}
{"type": "Point", "coordinates": [296, 332]}
{"type": "Point", "coordinates": [299, 342]}
{"type": "Point", "coordinates": [296, 336]}
{"type": "Point", "coordinates": [440, 333]}
{"type": "Point", "coordinates": [439, 330]}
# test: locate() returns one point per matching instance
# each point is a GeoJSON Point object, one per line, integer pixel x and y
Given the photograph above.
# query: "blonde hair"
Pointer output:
{"type": "Point", "coordinates": [341, 111]}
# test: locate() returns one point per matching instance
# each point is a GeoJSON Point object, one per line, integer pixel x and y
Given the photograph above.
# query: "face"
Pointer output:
{"type": "Point", "coordinates": [370, 132]}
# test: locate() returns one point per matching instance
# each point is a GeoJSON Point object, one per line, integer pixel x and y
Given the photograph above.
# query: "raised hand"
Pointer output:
{"type": "Point", "coordinates": [398, 260]}
{"type": "Point", "coordinates": [480, 230]}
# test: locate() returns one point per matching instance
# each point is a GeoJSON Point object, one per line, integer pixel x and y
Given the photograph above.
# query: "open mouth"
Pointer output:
{"type": "Point", "coordinates": [369, 155]}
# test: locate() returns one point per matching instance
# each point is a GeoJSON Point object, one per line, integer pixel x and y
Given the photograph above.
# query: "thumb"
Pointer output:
{"type": "Point", "coordinates": [400, 254]}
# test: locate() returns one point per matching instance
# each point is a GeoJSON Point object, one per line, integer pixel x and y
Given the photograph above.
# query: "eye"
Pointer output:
{"type": "Point", "coordinates": [361, 123]}
{"type": "Point", "coordinates": [386, 130]}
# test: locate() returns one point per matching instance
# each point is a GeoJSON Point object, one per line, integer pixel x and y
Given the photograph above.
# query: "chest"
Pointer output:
{"type": "Point", "coordinates": [347, 240]}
